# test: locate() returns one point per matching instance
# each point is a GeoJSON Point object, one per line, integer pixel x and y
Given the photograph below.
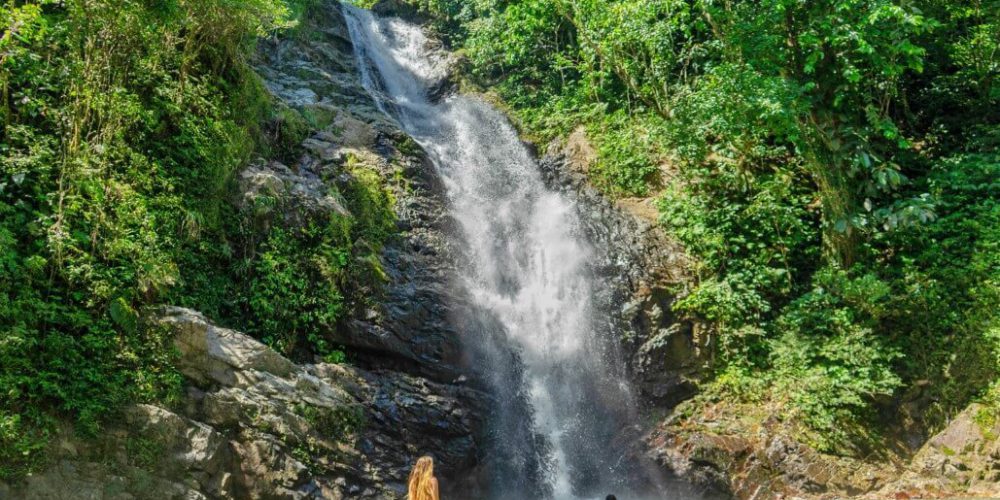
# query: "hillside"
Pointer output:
{"type": "Point", "coordinates": [282, 248]}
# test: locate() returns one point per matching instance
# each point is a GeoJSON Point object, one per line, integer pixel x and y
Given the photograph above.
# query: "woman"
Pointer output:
{"type": "Point", "coordinates": [423, 484]}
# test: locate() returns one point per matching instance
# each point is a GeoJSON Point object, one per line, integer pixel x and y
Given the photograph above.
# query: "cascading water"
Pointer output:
{"type": "Point", "coordinates": [528, 269]}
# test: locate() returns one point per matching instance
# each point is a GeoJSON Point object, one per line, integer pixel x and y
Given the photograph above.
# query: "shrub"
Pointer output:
{"type": "Point", "coordinates": [828, 358]}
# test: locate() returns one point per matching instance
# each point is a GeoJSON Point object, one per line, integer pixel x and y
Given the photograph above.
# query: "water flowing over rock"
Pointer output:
{"type": "Point", "coordinates": [643, 271]}
{"type": "Point", "coordinates": [533, 268]}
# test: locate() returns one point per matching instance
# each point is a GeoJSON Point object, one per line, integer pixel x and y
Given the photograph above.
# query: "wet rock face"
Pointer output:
{"type": "Point", "coordinates": [410, 327]}
{"type": "Point", "coordinates": [644, 270]}
{"type": "Point", "coordinates": [415, 376]}
{"type": "Point", "coordinates": [407, 326]}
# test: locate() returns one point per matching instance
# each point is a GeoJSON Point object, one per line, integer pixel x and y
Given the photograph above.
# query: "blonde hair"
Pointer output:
{"type": "Point", "coordinates": [422, 484]}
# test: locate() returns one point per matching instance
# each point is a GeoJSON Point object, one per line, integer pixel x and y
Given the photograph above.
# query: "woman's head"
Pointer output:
{"type": "Point", "coordinates": [421, 484]}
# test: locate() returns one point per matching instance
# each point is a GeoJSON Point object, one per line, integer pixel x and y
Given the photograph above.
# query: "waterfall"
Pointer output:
{"type": "Point", "coordinates": [528, 267]}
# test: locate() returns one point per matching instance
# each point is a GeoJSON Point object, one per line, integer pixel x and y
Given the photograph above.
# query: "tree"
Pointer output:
{"type": "Point", "coordinates": [839, 65]}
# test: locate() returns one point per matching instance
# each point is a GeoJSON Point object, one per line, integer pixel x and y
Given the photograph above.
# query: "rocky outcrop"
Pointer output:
{"type": "Point", "coordinates": [738, 451]}
{"type": "Point", "coordinates": [962, 459]}
{"type": "Point", "coordinates": [762, 464]}
{"type": "Point", "coordinates": [409, 326]}
{"type": "Point", "coordinates": [645, 271]}
{"type": "Point", "coordinates": [252, 424]}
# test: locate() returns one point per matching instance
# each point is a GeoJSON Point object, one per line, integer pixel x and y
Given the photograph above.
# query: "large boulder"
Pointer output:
{"type": "Point", "coordinates": [727, 458]}
{"type": "Point", "coordinates": [252, 424]}
{"type": "Point", "coordinates": [962, 459]}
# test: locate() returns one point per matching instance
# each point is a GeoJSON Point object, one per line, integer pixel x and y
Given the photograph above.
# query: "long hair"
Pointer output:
{"type": "Point", "coordinates": [421, 484]}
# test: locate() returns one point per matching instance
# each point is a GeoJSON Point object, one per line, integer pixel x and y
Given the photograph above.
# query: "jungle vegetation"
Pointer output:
{"type": "Point", "coordinates": [122, 125]}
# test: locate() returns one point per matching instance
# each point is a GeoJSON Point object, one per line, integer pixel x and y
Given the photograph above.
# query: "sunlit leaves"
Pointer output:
{"type": "Point", "coordinates": [118, 120]}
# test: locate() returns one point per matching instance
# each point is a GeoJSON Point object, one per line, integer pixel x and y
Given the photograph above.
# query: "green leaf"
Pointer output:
{"type": "Point", "coordinates": [124, 315]}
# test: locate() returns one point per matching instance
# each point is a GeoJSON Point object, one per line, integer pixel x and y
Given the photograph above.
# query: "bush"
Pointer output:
{"type": "Point", "coordinates": [828, 358]}
{"type": "Point", "coordinates": [755, 243]}
{"type": "Point", "coordinates": [944, 311]}
{"type": "Point", "coordinates": [293, 285]}
{"type": "Point", "coordinates": [627, 163]}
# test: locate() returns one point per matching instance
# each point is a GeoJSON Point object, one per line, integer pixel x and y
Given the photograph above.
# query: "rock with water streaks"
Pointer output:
{"type": "Point", "coordinates": [645, 270]}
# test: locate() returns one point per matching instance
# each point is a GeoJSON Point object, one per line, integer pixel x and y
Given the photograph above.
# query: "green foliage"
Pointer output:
{"type": "Point", "coordinates": [285, 131]}
{"type": "Point", "coordinates": [332, 423]}
{"type": "Point", "coordinates": [299, 10]}
{"type": "Point", "coordinates": [371, 204]}
{"type": "Point", "coordinates": [818, 78]}
{"type": "Point", "coordinates": [143, 452]}
{"type": "Point", "coordinates": [625, 163]}
{"type": "Point", "coordinates": [841, 62]}
{"type": "Point", "coordinates": [756, 239]}
{"type": "Point", "coordinates": [944, 314]}
{"type": "Point", "coordinates": [988, 415]}
{"type": "Point", "coordinates": [293, 285]}
{"type": "Point", "coordinates": [122, 126]}
{"type": "Point", "coordinates": [294, 290]}
{"type": "Point", "coordinates": [829, 360]}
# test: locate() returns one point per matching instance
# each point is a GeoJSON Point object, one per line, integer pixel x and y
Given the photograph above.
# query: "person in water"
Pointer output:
{"type": "Point", "coordinates": [423, 485]}
{"type": "Point", "coordinates": [610, 497]}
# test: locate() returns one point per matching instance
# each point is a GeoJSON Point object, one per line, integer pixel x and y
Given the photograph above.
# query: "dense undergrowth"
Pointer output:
{"type": "Point", "coordinates": [122, 124]}
{"type": "Point", "coordinates": [833, 165]}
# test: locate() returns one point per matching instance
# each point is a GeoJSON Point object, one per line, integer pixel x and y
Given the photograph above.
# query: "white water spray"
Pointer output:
{"type": "Point", "coordinates": [529, 256]}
